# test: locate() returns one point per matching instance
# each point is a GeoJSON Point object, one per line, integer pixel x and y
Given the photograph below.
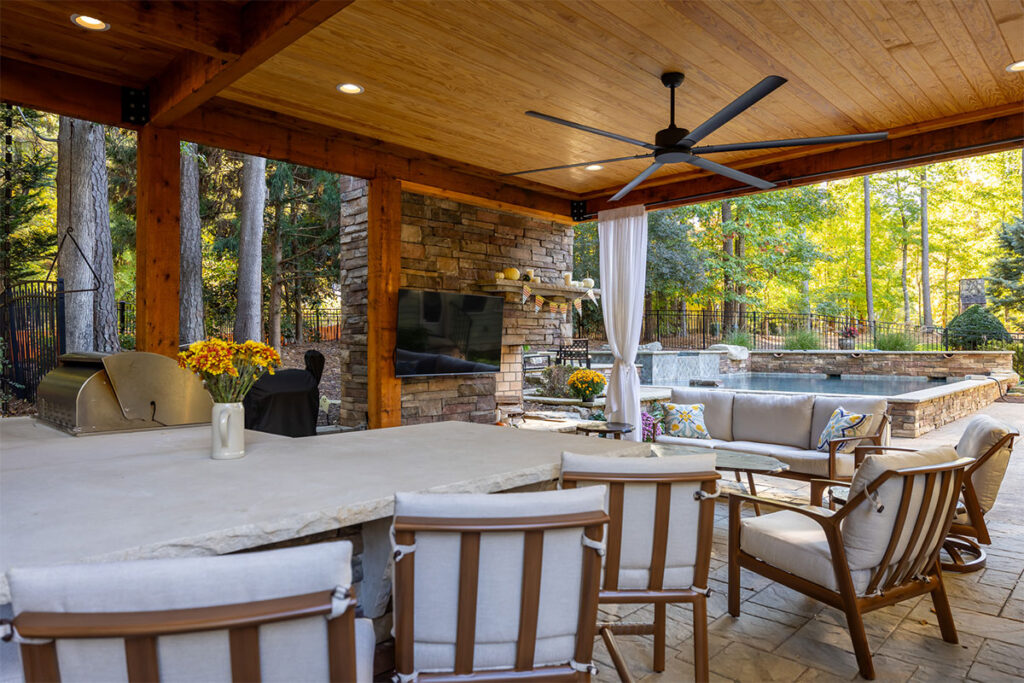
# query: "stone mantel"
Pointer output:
{"type": "Point", "coordinates": [514, 288]}
{"type": "Point", "coordinates": [158, 494]}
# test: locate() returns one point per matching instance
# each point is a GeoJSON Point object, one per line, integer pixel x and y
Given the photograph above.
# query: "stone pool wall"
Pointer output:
{"type": "Point", "coordinates": [678, 367]}
{"type": "Point", "coordinates": [915, 363]}
{"type": "Point", "coordinates": [920, 412]}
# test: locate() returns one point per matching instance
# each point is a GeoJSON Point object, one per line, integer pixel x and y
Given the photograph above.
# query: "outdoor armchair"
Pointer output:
{"type": "Point", "coordinates": [497, 587]}
{"type": "Point", "coordinates": [282, 615]}
{"type": "Point", "coordinates": [881, 548]}
{"type": "Point", "coordinates": [659, 541]}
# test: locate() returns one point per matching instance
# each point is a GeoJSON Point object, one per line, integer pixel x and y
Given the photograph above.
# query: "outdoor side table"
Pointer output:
{"type": "Point", "coordinates": [613, 430]}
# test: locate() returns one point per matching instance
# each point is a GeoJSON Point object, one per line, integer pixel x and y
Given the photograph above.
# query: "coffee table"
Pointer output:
{"type": "Point", "coordinates": [613, 430]}
{"type": "Point", "coordinates": [729, 461]}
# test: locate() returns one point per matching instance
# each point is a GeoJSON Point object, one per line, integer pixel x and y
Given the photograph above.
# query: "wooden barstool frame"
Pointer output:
{"type": "Point", "coordinates": [655, 593]}
{"type": "Point", "coordinates": [140, 631]}
{"type": "Point", "coordinates": [470, 530]}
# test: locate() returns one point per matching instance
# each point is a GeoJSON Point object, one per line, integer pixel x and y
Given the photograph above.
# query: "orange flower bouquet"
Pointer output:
{"type": "Point", "coordinates": [228, 369]}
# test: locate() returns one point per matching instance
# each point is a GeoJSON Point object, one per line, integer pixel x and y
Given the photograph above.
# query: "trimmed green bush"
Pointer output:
{"type": "Point", "coordinates": [740, 339]}
{"type": "Point", "coordinates": [894, 341]}
{"type": "Point", "coordinates": [802, 340]}
{"type": "Point", "coordinates": [974, 328]}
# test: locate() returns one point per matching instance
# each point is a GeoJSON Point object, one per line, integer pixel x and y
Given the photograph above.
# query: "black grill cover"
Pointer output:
{"type": "Point", "coordinates": [287, 402]}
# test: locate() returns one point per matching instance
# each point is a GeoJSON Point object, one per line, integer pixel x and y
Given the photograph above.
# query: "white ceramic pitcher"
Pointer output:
{"type": "Point", "coordinates": [228, 423]}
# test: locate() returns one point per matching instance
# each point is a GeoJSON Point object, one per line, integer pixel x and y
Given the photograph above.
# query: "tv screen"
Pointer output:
{"type": "Point", "coordinates": [447, 334]}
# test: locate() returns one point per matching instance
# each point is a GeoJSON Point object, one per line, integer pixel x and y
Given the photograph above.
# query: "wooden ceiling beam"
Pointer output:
{"type": "Point", "coordinates": [253, 131]}
{"type": "Point", "coordinates": [916, 149]}
{"type": "Point", "coordinates": [266, 29]}
{"type": "Point", "coordinates": [62, 93]}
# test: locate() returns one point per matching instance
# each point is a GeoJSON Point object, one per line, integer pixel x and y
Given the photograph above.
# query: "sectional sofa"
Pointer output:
{"type": "Point", "coordinates": [783, 426]}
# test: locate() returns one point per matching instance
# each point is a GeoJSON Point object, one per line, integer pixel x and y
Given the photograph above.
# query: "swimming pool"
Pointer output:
{"type": "Point", "coordinates": [876, 385]}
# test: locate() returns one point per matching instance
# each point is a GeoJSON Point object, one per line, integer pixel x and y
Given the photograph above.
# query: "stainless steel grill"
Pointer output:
{"type": "Point", "coordinates": [129, 391]}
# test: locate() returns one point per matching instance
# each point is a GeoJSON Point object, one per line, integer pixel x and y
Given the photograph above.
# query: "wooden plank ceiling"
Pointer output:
{"type": "Point", "coordinates": [454, 78]}
{"type": "Point", "coordinates": [447, 82]}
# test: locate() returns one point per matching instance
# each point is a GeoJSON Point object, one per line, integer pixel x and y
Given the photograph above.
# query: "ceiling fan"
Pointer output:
{"type": "Point", "coordinates": [674, 145]}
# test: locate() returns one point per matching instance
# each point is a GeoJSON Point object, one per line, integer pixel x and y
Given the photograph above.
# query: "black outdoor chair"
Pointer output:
{"type": "Point", "coordinates": [287, 402]}
{"type": "Point", "coordinates": [576, 352]}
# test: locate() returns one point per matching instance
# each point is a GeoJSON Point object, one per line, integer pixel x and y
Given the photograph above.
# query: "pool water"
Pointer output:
{"type": "Point", "coordinates": [823, 384]}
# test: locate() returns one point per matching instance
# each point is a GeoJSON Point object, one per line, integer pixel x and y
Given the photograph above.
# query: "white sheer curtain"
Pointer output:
{"type": "Point", "coordinates": [623, 240]}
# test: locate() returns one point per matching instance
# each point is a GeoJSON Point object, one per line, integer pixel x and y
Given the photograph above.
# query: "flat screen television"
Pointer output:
{"type": "Point", "coordinates": [441, 333]}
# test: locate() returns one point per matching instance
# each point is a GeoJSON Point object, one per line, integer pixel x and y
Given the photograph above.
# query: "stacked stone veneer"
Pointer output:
{"type": "Point", "coordinates": [922, 411]}
{"type": "Point", "coordinates": [451, 247]}
{"type": "Point", "coordinates": [914, 363]}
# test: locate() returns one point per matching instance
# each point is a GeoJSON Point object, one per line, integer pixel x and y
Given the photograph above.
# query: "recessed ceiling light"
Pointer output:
{"type": "Point", "coordinates": [594, 167]}
{"type": "Point", "coordinates": [88, 22]}
{"type": "Point", "coordinates": [350, 88]}
{"type": "Point", "coordinates": [1016, 66]}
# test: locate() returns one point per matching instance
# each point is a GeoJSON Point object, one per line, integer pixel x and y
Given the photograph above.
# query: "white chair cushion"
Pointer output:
{"type": "Point", "coordinates": [773, 418]}
{"type": "Point", "coordinates": [866, 530]}
{"type": "Point", "coordinates": [795, 544]}
{"type": "Point", "coordinates": [638, 502]}
{"type": "Point", "coordinates": [289, 651]}
{"type": "Point", "coordinates": [500, 585]}
{"type": "Point", "coordinates": [982, 432]}
{"type": "Point", "coordinates": [814, 462]}
{"type": "Point", "coordinates": [750, 447]}
{"type": "Point", "coordinates": [824, 406]}
{"type": "Point", "coordinates": [717, 408]}
{"type": "Point", "coordinates": [681, 441]}
{"type": "Point", "coordinates": [685, 420]}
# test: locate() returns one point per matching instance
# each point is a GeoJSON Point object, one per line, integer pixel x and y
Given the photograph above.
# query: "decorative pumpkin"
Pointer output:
{"type": "Point", "coordinates": [511, 273]}
{"type": "Point", "coordinates": [499, 276]}
{"type": "Point", "coordinates": [588, 282]}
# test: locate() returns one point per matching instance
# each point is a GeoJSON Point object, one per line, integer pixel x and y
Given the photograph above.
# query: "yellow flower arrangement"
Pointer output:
{"type": "Point", "coordinates": [586, 384]}
{"type": "Point", "coordinates": [228, 369]}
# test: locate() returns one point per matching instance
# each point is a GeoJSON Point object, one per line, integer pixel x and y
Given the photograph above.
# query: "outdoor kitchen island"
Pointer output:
{"type": "Point", "coordinates": [149, 494]}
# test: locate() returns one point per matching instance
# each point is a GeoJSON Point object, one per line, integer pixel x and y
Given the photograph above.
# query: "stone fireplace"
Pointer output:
{"type": "Point", "coordinates": [453, 247]}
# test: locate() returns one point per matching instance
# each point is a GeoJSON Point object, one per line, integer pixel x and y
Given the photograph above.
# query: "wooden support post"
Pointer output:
{"type": "Point", "coordinates": [384, 260]}
{"type": "Point", "coordinates": [157, 241]}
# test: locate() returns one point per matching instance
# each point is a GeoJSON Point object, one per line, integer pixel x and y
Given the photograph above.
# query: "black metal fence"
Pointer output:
{"type": "Point", "coordinates": [32, 325]}
{"type": "Point", "coordinates": [318, 325]}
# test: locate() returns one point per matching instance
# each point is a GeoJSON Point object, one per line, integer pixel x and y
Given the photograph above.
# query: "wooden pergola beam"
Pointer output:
{"type": "Point", "coordinates": [384, 269]}
{"type": "Point", "coordinates": [266, 29]}
{"type": "Point", "coordinates": [262, 133]}
{"type": "Point", "coordinates": [38, 87]}
{"type": "Point", "coordinates": [986, 136]}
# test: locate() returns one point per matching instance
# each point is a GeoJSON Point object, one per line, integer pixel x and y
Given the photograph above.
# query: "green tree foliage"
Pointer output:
{"type": "Point", "coordinates": [974, 328]}
{"type": "Point", "coordinates": [1006, 274]}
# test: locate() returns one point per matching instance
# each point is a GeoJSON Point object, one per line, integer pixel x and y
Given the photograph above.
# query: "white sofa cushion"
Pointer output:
{"type": "Point", "coordinates": [436, 586]}
{"type": "Point", "coordinates": [982, 432]}
{"type": "Point", "coordinates": [717, 408]}
{"type": "Point", "coordinates": [683, 441]}
{"type": "Point", "coordinates": [812, 462]}
{"type": "Point", "coordinates": [824, 406]}
{"type": "Point", "coordinates": [796, 544]}
{"type": "Point", "coordinates": [638, 503]}
{"type": "Point", "coordinates": [772, 418]}
{"type": "Point", "coordinates": [868, 529]}
{"type": "Point", "coordinates": [750, 447]}
{"type": "Point", "coordinates": [289, 650]}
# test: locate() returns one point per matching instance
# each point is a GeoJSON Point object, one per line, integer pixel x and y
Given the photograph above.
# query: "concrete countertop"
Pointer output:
{"type": "Point", "coordinates": [158, 494]}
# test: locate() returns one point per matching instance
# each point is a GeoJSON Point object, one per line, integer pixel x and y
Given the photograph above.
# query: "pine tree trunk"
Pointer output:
{"type": "Point", "coordinates": [728, 299]}
{"type": "Point", "coordinates": [275, 281]}
{"type": "Point", "coordinates": [300, 332]}
{"type": "Point", "coordinates": [248, 318]}
{"type": "Point", "coordinates": [741, 289]}
{"type": "Point", "coordinates": [926, 284]}
{"type": "Point", "coordinates": [906, 290]}
{"type": "Point", "coordinates": [192, 327]}
{"type": "Point", "coordinates": [104, 321]}
{"type": "Point", "coordinates": [76, 224]}
{"type": "Point", "coordinates": [869, 295]}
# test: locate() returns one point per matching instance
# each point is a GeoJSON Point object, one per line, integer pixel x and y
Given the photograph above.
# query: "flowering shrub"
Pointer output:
{"type": "Point", "coordinates": [228, 369]}
{"type": "Point", "coordinates": [849, 332]}
{"type": "Point", "coordinates": [650, 426]}
{"type": "Point", "coordinates": [586, 384]}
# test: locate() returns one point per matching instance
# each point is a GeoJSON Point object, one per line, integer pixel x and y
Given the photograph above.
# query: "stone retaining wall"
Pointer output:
{"type": "Point", "coordinates": [448, 246]}
{"type": "Point", "coordinates": [916, 363]}
{"type": "Point", "coordinates": [922, 411]}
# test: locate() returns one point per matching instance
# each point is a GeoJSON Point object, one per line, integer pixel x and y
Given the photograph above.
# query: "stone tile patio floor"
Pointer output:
{"type": "Point", "coordinates": [783, 636]}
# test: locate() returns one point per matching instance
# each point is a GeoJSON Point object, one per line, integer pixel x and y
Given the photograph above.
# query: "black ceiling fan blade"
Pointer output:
{"type": "Point", "coordinates": [588, 129]}
{"type": "Point", "coordinates": [584, 163]}
{"type": "Point", "coordinates": [635, 181]}
{"type": "Point", "coordinates": [793, 142]}
{"type": "Point", "coordinates": [733, 109]}
{"type": "Point", "coordinates": [729, 172]}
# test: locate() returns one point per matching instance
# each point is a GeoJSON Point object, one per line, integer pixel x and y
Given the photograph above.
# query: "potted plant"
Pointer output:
{"type": "Point", "coordinates": [650, 426]}
{"type": "Point", "coordinates": [585, 384]}
{"type": "Point", "coordinates": [847, 337]}
{"type": "Point", "coordinates": [228, 371]}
